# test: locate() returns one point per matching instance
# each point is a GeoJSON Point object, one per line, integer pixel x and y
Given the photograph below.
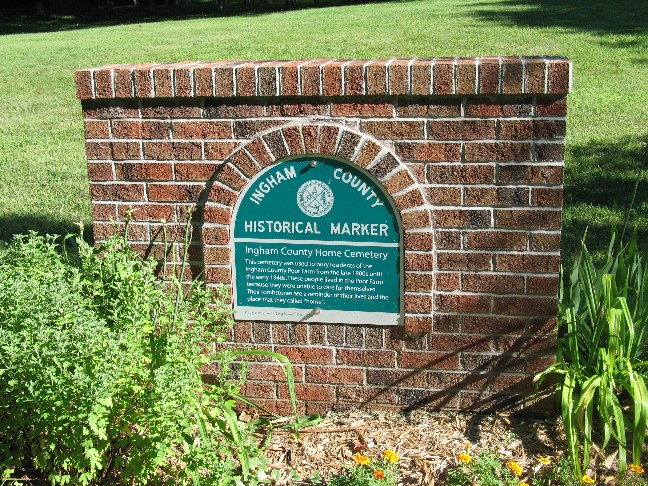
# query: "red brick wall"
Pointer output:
{"type": "Point", "coordinates": [471, 151]}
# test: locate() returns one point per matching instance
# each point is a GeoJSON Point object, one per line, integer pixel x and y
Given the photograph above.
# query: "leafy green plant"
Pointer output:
{"type": "Point", "coordinates": [286, 367]}
{"type": "Point", "coordinates": [602, 355]}
{"type": "Point", "coordinates": [100, 376]}
{"type": "Point", "coordinates": [486, 469]}
{"type": "Point", "coordinates": [368, 472]}
{"type": "Point", "coordinates": [559, 473]}
{"type": "Point", "coordinates": [633, 476]}
{"type": "Point", "coordinates": [489, 469]}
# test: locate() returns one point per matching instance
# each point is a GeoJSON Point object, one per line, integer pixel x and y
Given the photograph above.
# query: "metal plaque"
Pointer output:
{"type": "Point", "coordinates": [317, 240]}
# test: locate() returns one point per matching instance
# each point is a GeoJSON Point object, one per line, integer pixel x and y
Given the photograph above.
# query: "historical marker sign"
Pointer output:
{"type": "Point", "coordinates": [317, 240]}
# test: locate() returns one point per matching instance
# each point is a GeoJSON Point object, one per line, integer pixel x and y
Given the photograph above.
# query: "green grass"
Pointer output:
{"type": "Point", "coordinates": [43, 181]}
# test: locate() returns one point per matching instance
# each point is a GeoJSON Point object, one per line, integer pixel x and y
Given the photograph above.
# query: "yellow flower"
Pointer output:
{"type": "Point", "coordinates": [390, 455]}
{"type": "Point", "coordinates": [636, 468]}
{"type": "Point", "coordinates": [514, 467]}
{"type": "Point", "coordinates": [379, 474]}
{"type": "Point", "coordinates": [465, 458]}
{"type": "Point", "coordinates": [587, 479]}
{"type": "Point", "coordinates": [360, 459]}
{"type": "Point", "coordinates": [523, 484]}
{"type": "Point", "coordinates": [545, 461]}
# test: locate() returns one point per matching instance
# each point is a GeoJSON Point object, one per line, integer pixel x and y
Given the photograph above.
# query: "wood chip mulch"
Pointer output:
{"type": "Point", "coordinates": [427, 443]}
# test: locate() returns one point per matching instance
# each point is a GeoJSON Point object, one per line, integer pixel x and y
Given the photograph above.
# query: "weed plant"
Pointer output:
{"type": "Point", "coordinates": [601, 368]}
{"type": "Point", "coordinates": [99, 372]}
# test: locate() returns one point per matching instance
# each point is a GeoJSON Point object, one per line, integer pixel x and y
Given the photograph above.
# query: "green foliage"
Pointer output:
{"type": "Point", "coordinates": [560, 473]}
{"type": "Point", "coordinates": [486, 470]}
{"type": "Point", "coordinates": [286, 367]}
{"type": "Point", "coordinates": [358, 476]}
{"type": "Point", "coordinates": [632, 478]}
{"type": "Point", "coordinates": [368, 472]}
{"type": "Point", "coordinates": [99, 372]}
{"type": "Point", "coordinates": [489, 469]}
{"type": "Point", "coordinates": [602, 355]}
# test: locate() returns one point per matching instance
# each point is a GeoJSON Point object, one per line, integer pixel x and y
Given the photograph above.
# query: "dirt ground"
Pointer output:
{"type": "Point", "coordinates": [426, 442]}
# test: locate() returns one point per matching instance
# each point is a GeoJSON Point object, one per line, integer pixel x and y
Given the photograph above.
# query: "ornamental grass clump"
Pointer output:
{"type": "Point", "coordinates": [601, 367]}
{"type": "Point", "coordinates": [99, 372]}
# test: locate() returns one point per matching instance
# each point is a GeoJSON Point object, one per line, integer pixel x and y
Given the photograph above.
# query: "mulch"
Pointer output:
{"type": "Point", "coordinates": [427, 443]}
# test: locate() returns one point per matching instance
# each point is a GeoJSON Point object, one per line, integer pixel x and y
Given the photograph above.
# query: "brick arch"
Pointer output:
{"type": "Point", "coordinates": [276, 144]}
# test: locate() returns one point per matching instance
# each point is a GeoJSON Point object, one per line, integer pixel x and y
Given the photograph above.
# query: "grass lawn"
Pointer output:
{"type": "Point", "coordinates": [43, 182]}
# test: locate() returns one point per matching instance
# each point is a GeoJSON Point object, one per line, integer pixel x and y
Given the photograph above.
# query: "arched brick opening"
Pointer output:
{"type": "Point", "coordinates": [274, 145]}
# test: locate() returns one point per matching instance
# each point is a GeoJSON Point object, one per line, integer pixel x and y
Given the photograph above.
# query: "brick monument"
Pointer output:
{"type": "Point", "coordinates": [467, 155]}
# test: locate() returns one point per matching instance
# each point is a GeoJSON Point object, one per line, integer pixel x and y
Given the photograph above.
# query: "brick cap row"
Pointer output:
{"type": "Point", "coordinates": [330, 77]}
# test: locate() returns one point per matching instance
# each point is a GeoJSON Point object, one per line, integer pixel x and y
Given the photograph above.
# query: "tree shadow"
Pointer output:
{"type": "Point", "coordinates": [41, 224]}
{"type": "Point", "coordinates": [518, 400]}
{"type": "Point", "coordinates": [598, 16]}
{"type": "Point", "coordinates": [21, 18]}
{"type": "Point", "coordinates": [600, 180]}
{"type": "Point", "coordinates": [482, 371]}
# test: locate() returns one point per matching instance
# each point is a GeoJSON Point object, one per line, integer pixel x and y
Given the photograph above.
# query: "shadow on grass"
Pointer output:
{"type": "Point", "coordinates": [597, 16]}
{"type": "Point", "coordinates": [600, 180]}
{"type": "Point", "coordinates": [21, 18]}
{"type": "Point", "coordinates": [22, 224]}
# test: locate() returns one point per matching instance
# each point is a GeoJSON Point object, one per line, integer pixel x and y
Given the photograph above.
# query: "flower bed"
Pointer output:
{"type": "Point", "coordinates": [430, 446]}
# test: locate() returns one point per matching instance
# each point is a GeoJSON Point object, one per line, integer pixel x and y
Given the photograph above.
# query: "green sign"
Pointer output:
{"type": "Point", "coordinates": [316, 240]}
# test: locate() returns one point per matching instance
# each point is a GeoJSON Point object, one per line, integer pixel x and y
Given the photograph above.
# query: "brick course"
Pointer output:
{"type": "Point", "coordinates": [471, 151]}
